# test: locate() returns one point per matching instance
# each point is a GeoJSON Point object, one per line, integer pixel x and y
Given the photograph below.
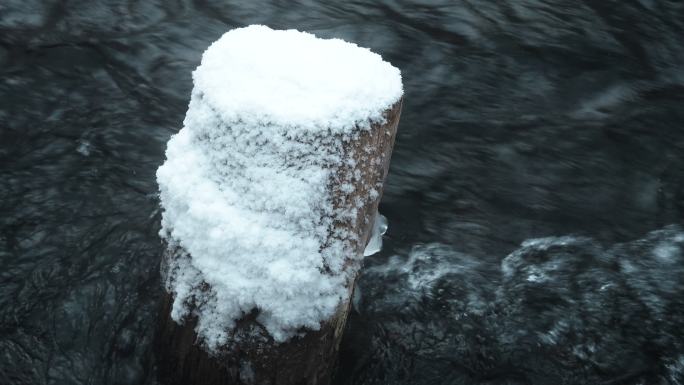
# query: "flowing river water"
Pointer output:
{"type": "Point", "coordinates": [535, 198]}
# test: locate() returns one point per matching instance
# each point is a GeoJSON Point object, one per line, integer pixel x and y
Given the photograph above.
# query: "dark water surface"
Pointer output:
{"type": "Point", "coordinates": [523, 119]}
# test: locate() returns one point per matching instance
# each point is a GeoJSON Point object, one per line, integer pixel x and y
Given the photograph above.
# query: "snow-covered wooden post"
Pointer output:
{"type": "Point", "coordinates": [269, 193]}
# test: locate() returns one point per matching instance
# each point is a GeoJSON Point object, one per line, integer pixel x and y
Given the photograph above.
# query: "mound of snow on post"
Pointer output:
{"type": "Point", "coordinates": [249, 182]}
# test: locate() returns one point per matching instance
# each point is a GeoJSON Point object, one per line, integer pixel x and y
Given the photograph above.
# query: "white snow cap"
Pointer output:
{"type": "Point", "coordinates": [292, 78]}
{"type": "Point", "coordinates": [249, 184]}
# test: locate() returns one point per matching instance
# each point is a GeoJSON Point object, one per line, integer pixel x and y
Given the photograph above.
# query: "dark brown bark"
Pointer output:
{"type": "Point", "coordinates": [309, 359]}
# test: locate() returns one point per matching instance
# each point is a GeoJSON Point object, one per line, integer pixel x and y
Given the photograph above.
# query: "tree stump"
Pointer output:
{"type": "Point", "coordinates": [251, 354]}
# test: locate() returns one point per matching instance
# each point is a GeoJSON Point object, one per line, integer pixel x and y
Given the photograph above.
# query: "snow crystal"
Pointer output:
{"type": "Point", "coordinates": [83, 148]}
{"type": "Point", "coordinates": [248, 186]}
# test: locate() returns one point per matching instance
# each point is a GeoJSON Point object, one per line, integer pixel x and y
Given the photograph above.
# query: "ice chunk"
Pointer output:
{"type": "Point", "coordinates": [375, 242]}
{"type": "Point", "coordinates": [248, 185]}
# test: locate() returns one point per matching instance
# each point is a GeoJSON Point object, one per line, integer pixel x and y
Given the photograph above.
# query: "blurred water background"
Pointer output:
{"type": "Point", "coordinates": [535, 197]}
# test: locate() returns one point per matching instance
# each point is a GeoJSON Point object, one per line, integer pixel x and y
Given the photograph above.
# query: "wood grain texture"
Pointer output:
{"type": "Point", "coordinates": [309, 359]}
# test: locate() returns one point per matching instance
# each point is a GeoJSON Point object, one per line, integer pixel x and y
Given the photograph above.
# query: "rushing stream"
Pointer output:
{"type": "Point", "coordinates": [535, 199]}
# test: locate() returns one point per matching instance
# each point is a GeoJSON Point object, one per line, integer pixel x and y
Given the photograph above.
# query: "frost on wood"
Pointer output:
{"type": "Point", "coordinates": [258, 185]}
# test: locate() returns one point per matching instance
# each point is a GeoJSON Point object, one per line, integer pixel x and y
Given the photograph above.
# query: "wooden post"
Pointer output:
{"type": "Point", "coordinates": [308, 359]}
